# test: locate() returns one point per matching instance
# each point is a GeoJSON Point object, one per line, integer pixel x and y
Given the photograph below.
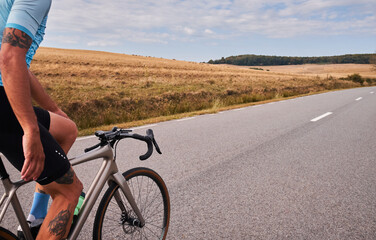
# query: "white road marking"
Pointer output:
{"type": "Point", "coordinates": [359, 98]}
{"type": "Point", "coordinates": [185, 119]}
{"type": "Point", "coordinates": [372, 92]}
{"type": "Point", "coordinates": [85, 138]}
{"type": "Point", "coordinates": [321, 117]}
{"type": "Point", "coordinates": [145, 126]}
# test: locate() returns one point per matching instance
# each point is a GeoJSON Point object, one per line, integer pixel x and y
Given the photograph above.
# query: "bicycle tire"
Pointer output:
{"type": "Point", "coordinates": [5, 234]}
{"type": "Point", "coordinates": [110, 221]}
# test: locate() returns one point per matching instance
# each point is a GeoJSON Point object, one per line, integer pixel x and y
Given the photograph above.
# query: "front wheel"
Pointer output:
{"type": "Point", "coordinates": [6, 235]}
{"type": "Point", "coordinates": [115, 218]}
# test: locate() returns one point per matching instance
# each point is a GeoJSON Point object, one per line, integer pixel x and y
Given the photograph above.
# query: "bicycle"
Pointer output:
{"type": "Point", "coordinates": [136, 204]}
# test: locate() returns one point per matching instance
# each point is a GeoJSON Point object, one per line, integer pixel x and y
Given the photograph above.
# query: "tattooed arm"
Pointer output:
{"type": "Point", "coordinates": [16, 79]}
{"type": "Point", "coordinates": [17, 38]}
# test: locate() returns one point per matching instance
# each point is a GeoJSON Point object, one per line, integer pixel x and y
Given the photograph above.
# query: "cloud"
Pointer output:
{"type": "Point", "coordinates": [111, 22]}
{"type": "Point", "coordinates": [189, 31]}
{"type": "Point", "coordinates": [209, 32]}
{"type": "Point", "coordinates": [101, 44]}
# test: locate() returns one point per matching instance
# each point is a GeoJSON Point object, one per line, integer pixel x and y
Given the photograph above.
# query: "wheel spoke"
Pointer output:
{"type": "Point", "coordinates": [150, 199]}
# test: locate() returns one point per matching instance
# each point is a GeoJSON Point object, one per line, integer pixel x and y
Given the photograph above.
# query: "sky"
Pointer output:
{"type": "Point", "coordinates": [201, 30]}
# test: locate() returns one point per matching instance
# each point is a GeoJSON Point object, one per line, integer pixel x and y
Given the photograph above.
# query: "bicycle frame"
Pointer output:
{"type": "Point", "coordinates": [11, 198]}
{"type": "Point", "coordinates": [108, 172]}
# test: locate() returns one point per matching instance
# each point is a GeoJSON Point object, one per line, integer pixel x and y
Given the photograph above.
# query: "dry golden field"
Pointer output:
{"type": "Point", "coordinates": [335, 70]}
{"type": "Point", "coordinates": [99, 88]}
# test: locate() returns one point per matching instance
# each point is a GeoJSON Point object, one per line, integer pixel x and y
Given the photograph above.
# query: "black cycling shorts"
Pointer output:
{"type": "Point", "coordinates": [56, 162]}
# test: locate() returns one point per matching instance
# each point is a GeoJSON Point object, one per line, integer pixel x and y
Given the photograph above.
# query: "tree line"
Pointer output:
{"type": "Point", "coordinates": [262, 60]}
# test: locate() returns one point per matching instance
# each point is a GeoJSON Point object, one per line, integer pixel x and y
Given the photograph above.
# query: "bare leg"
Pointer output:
{"type": "Point", "coordinates": [65, 193]}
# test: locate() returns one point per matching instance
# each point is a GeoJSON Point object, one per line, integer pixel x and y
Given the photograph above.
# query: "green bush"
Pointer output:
{"type": "Point", "coordinates": [356, 78]}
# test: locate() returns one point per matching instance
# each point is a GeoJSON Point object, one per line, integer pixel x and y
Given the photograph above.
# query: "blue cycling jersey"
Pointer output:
{"type": "Point", "coordinates": [29, 16]}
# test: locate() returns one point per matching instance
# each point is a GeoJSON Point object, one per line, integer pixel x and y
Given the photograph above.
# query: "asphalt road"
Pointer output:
{"type": "Point", "coordinates": [303, 168]}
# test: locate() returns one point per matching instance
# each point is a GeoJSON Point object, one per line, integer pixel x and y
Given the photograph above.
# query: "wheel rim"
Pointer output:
{"type": "Point", "coordinates": [153, 206]}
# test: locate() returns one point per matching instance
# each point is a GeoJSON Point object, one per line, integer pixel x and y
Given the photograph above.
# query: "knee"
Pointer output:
{"type": "Point", "coordinates": [63, 130]}
{"type": "Point", "coordinates": [77, 188]}
{"type": "Point", "coordinates": [69, 193]}
{"type": "Point", "coordinates": [73, 132]}
{"type": "Point", "coordinates": [74, 192]}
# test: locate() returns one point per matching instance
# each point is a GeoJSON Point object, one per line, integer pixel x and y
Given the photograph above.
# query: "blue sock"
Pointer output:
{"type": "Point", "coordinates": [40, 204]}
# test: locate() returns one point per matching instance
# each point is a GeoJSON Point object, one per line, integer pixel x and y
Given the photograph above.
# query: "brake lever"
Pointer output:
{"type": "Point", "coordinates": [156, 146]}
{"type": "Point", "coordinates": [150, 133]}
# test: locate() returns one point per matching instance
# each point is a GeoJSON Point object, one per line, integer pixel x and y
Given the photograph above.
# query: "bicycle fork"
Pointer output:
{"type": "Point", "coordinates": [120, 180]}
{"type": "Point", "coordinates": [107, 173]}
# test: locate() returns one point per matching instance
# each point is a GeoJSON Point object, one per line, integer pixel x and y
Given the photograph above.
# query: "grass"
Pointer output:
{"type": "Point", "coordinates": [97, 89]}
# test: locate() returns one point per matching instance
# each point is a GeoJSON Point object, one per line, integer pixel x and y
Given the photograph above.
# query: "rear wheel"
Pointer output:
{"type": "Point", "coordinates": [115, 218]}
{"type": "Point", "coordinates": [7, 235]}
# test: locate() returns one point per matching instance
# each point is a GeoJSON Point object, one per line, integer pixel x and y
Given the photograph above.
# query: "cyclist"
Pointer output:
{"type": "Point", "coordinates": [34, 140]}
